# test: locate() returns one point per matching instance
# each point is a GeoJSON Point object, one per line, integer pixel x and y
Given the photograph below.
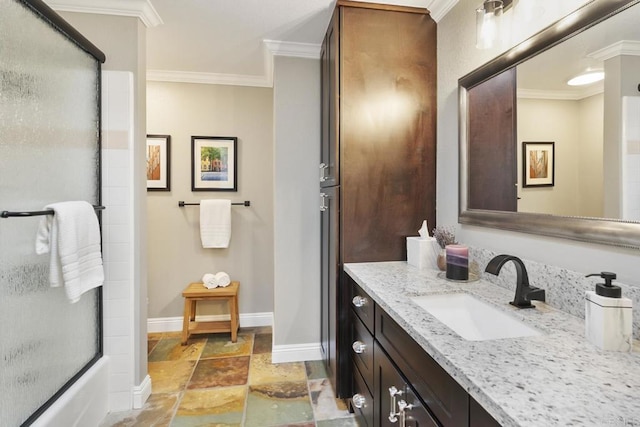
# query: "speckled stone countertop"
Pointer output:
{"type": "Point", "coordinates": [555, 379]}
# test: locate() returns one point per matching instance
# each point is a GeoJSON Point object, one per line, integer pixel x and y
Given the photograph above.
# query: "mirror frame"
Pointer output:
{"type": "Point", "coordinates": [595, 230]}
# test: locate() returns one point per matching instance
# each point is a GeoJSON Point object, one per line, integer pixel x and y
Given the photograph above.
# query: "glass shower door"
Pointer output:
{"type": "Point", "coordinates": [49, 152]}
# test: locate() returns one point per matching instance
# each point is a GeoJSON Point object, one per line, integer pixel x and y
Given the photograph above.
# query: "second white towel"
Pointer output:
{"type": "Point", "coordinates": [211, 281]}
{"type": "Point", "coordinates": [215, 223]}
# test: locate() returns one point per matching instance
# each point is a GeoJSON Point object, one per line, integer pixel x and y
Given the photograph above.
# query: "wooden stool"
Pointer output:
{"type": "Point", "coordinates": [197, 292]}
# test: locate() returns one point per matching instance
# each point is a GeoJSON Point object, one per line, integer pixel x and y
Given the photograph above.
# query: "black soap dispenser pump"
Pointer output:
{"type": "Point", "coordinates": [607, 289]}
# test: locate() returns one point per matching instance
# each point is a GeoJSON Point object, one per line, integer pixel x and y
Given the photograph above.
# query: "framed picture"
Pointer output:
{"type": "Point", "coordinates": [158, 162]}
{"type": "Point", "coordinates": [214, 163]}
{"type": "Point", "coordinates": [538, 164]}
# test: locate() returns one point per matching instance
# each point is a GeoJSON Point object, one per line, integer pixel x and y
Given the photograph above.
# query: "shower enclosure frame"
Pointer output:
{"type": "Point", "coordinates": [49, 16]}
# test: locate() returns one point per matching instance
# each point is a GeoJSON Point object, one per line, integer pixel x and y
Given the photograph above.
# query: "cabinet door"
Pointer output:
{"type": "Point", "coordinates": [329, 277]}
{"type": "Point", "coordinates": [447, 400]}
{"type": "Point", "coordinates": [387, 130]}
{"type": "Point", "coordinates": [396, 402]}
{"type": "Point", "coordinates": [329, 156]}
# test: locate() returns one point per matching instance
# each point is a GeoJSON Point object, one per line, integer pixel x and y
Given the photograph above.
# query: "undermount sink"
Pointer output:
{"type": "Point", "coordinates": [472, 318]}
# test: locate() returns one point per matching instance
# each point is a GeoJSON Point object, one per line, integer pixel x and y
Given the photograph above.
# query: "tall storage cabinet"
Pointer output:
{"type": "Point", "coordinates": [378, 154]}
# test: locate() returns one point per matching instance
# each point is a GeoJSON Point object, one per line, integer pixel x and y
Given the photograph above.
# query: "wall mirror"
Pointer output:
{"type": "Point", "coordinates": [540, 156]}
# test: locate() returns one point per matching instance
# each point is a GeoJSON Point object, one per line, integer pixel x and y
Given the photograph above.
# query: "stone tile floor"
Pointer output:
{"type": "Point", "coordinates": [214, 382]}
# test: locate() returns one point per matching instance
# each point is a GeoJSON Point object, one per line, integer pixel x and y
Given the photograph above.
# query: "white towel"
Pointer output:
{"type": "Point", "coordinates": [72, 238]}
{"type": "Point", "coordinates": [215, 223]}
{"type": "Point", "coordinates": [220, 279]}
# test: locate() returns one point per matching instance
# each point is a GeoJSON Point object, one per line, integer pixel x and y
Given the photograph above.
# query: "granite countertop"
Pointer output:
{"type": "Point", "coordinates": [555, 379]}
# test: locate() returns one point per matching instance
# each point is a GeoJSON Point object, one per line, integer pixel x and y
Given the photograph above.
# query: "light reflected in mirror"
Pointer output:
{"type": "Point", "coordinates": [523, 125]}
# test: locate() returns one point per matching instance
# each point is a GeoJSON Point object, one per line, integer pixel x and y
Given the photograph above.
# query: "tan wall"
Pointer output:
{"type": "Point", "coordinates": [576, 129]}
{"type": "Point", "coordinates": [297, 218]}
{"type": "Point", "coordinates": [590, 173]}
{"type": "Point", "coordinates": [176, 256]}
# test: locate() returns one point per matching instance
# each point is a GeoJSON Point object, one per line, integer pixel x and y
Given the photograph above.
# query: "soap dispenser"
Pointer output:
{"type": "Point", "coordinates": [608, 315]}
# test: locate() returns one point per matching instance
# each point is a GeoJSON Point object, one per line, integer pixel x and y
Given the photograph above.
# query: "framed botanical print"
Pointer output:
{"type": "Point", "coordinates": [538, 164]}
{"type": "Point", "coordinates": [158, 162]}
{"type": "Point", "coordinates": [214, 163]}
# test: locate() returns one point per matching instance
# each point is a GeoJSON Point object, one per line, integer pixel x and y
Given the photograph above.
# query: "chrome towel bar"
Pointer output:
{"type": "Point", "coordinates": [182, 204]}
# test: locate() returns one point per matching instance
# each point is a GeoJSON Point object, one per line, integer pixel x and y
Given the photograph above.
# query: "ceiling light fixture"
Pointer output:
{"type": "Point", "coordinates": [488, 22]}
{"type": "Point", "coordinates": [587, 78]}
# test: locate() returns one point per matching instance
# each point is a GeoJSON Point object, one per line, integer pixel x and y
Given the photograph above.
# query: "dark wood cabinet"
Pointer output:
{"type": "Point", "coordinates": [447, 400]}
{"type": "Point", "coordinates": [378, 73]}
{"type": "Point", "coordinates": [329, 148]}
{"type": "Point", "coordinates": [478, 417]}
{"type": "Point", "coordinates": [397, 401]}
{"type": "Point", "coordinates": [362, 401]}
{"type": "Point", "coordinates": [329, 275]}
{"type": "Point", "coordinates": [395, 382]}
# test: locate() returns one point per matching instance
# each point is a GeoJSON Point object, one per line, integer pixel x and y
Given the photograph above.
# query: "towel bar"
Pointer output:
{"type": "Point", "coordinates": [9, 214]}
{"type": "Point", "coordinates": [182, 204]}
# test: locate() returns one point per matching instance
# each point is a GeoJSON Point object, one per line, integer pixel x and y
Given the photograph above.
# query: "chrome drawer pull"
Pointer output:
{"type": "Point", "coordinates": [403, 406]}
{"type": "Point", "coordinates": [393, 392]}
{"type": "Point", "coordinates": [358, 401]}
{"type": "Point", "coordinates": [359, 347]}
{"type": "Point", "coordinates": [323, 204]}
{"type": "Point", "coordinates": [359, 301]}
{"type": "Point", "coordinates": [323, 170]}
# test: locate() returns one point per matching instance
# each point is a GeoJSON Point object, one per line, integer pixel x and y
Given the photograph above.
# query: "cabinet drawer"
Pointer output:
{"type": "Point", "coordinates": [361, 304]}
{"type": "Point", "coordinates": [362, 349]}
{"type": "Point", "coordinates": [362, 400]}
{"type": "Point", "coordinates": [446, 399]}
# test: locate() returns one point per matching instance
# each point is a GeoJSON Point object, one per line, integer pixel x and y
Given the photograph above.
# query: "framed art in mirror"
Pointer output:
{"type": "Point", "coordinates": [158, 162]}
{"type": "Point", "coordinates": [214, 163]}
{"type": "Point", "coordinates": [538, 164]}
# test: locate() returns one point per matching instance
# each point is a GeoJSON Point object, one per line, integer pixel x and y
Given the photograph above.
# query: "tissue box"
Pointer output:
{"type": "Point", "coordinates": [422, 253]}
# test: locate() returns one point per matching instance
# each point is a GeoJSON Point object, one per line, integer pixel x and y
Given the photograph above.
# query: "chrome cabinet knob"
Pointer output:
{"type": "Point", "coordinates": [359, 347]}
{"type": "Point", "coordinates": [359, 301]}
{"type": "Point", "coordinates": [358, 400]}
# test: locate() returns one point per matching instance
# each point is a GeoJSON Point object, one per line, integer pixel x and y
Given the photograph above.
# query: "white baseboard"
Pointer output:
{"type": "Point", "coordinates": [296, 353]}
{"type": "Point", "coordinates": [174, 324]}
{"type": "Point", "coordinates": [141, 393]}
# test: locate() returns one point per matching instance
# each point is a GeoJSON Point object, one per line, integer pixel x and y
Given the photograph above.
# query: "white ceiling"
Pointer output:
{"type": "Point", "coordinates": [223, 41]}
{"type": "Point", "coordinates": [226, 37]}
{"type": "Point", "coordinates": [231, 41]}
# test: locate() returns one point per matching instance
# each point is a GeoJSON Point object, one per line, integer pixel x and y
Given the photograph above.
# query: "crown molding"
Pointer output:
{"type": "Point", "coordinates": [272, 48]}
{"type": "Point", "coordinates": [142, 9]}
{"type": "Point", "coordinates": [439, 8]}
{"type": "Point", "coordinates": [298, 50]}
{"type": "Point", "coordinates": [208, 78]}
{"type": "Point", "coordinates": [623, 47]}
{"type": "Point", "coordinates": [560, 95]}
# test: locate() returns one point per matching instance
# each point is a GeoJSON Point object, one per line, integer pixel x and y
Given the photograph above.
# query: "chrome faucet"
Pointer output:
{"type": "Point", "coordinates": [524, 292]}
